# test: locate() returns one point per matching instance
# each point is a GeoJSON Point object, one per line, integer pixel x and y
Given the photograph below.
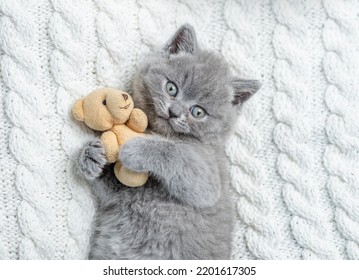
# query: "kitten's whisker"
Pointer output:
{"type": "Point", "coordinates": [149, 103]}
{"type": "Point", "coordinates": [160, 104]}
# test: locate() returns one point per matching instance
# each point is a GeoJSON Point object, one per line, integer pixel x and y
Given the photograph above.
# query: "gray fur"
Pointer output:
{"type": "Point", "coordinates": [184, 40]}
{"type": "Point", "coordinates": [184, 211]}
{"type": "Point", "coordinates": [244, 89]}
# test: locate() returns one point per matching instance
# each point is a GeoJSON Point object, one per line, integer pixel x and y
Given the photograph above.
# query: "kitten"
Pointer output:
{"type": "Point", "coordinates": [184, 211]}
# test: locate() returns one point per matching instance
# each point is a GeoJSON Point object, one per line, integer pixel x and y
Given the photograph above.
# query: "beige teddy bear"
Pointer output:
{"type": "Point", "coordinates": [113, 111]}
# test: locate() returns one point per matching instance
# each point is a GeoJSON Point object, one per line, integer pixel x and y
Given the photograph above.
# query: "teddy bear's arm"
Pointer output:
{"type": "Point", "coordinates": [109, 141]}
{"type": "Point", "coordinates": [137, 121]}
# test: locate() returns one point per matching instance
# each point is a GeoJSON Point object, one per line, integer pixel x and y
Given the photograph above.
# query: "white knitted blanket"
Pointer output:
{"type": "Point", "coordinates": [295, 154]}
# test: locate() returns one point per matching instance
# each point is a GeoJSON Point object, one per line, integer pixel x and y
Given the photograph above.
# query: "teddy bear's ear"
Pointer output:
{"type": "Point", "coordinates": [78, 111]}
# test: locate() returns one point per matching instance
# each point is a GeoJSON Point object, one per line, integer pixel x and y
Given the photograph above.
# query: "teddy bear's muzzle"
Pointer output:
{"type": "Point", "coordinates": [120, 105]}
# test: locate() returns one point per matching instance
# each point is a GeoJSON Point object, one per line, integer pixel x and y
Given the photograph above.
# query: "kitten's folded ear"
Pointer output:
{"type": "Point", "coordinates": [184, 40]}
{"type": "Point", "coordinates": [244, 89]}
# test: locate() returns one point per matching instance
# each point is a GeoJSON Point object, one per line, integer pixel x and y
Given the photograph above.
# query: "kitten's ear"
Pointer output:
{"type": "Point", "coordinates": [244, 89]}
{"type": "Point", "coordinates": [184, 40]}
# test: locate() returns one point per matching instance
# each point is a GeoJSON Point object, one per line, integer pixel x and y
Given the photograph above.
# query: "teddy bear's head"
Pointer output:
{"type": "Point", "coordinates": [103, 108]}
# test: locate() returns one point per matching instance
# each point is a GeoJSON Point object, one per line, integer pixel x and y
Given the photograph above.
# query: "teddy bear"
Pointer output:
{"type": "Point", "coordinates": [112, 111]}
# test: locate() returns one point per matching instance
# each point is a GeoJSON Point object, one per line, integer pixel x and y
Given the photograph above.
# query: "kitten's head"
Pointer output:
{"type": "Point", "coordinates": [189, 92]}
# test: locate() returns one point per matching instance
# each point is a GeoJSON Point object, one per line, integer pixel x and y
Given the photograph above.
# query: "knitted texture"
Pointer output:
{"type": "Point", "coordinates": [295, 150]}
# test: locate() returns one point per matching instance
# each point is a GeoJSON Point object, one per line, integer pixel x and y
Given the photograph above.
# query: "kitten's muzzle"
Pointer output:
{"type": "Point", "coordinates": [175, 111]}
{"type": "Point", "coordinates": [172, 114]}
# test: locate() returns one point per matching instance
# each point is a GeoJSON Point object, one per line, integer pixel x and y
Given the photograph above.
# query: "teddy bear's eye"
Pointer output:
{"type": "Point", "coordinates": [171, 89]}
{"type": "Point", "coordinates": [104, 102]}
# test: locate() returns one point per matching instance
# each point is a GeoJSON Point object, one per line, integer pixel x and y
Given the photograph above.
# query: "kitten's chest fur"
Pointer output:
{"type": "Point", "coordinates": [146, 223]}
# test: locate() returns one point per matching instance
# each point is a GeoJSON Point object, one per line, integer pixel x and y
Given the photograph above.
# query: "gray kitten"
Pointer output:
{"type": "Point", "coordinates": [184, 211]}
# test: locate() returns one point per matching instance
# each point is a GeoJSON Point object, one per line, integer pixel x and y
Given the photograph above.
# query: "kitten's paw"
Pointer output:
{"type": "Point", "coordinates": [92, 160]}
{"type": "Point", "coordinates": [133, 154]}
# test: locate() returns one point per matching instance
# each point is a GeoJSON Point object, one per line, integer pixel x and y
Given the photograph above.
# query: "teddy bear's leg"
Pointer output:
{"type": "Point", "coordinates": [110, 144]}
{"type": "Point", "coordinates": [130, 178]}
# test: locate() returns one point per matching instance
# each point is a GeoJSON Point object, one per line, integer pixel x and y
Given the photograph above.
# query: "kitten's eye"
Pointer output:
{"type": "Point", "coordinates": [171, 89]}
{"type": "Point", "coordinates": [198, 112]}
{"type": "Point", "coordinates": [104, 102]}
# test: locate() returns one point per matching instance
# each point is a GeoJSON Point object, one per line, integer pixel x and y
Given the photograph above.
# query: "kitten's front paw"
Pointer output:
{"type": "Point", "coordinates": [133, 154]}
{"type": "Point", "coordinates": [92, 160]}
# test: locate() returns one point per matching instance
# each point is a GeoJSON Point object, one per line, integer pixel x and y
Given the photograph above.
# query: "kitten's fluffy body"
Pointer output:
{"type": "Point", "coordinates": [184, 211]}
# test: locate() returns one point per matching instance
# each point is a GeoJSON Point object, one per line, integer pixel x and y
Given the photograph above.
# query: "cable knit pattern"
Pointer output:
{"type": "Point", "coordinates": [73, 39]}
{"type": "Point", "coordinates": [9, 198]}
{"type": "Point", "coordinates": [28, 107]}
{"type": "Point", "coordinates": [341, 158]}
{"type": "Point", "coordinates": [254, 202]}
{"type": "Point", "coordinates": [294, 154]}
{"type": "Point", "coordinates": [115, 66]}
{"type": "Point", "coordinates": [291, 41]}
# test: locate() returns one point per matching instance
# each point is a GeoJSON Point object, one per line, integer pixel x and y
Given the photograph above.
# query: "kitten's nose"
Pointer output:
{"type": "Point", "coordinates": [125, 96]}
{"type": "Point", "coordinates": [172, 114]}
